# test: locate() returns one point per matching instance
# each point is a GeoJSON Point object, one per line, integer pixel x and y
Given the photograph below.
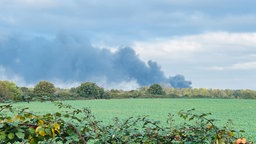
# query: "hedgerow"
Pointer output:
{"type": "Point", "coordinates": [72, 125]}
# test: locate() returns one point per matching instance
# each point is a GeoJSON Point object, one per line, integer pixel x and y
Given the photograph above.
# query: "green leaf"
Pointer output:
{"type": "Point", "coordinates": [58, 114]}
{"type": "Point", "coordinates": [2, 135]}
{"type": "Point", "coordinates": [11, 136]}
{"type": "Point", "coordinates": [31, 130]}
{"type": "Point", "coordinates": [20, 135]}
{"type": "Point", "coordinates": [20, 130]}
{"type": "Point", "coordinates": [48, 131]}
{"type": "Point", "coordinates": [15, 124]}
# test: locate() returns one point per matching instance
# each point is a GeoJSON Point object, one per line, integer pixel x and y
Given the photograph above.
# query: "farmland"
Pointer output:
{"type": "Point", "coordinates": [240, 111]}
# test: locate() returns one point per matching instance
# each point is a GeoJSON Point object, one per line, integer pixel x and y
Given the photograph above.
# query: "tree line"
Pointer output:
{"type": "Point", "coordinates": [45, 90]}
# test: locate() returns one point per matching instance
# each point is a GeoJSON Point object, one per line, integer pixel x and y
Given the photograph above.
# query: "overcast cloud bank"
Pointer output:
{"type": "Point", "coordinates": [211, 42]}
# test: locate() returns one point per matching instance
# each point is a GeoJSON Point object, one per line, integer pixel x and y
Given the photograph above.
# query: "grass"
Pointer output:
{"type": "Point", "coordinates": [242, 112]}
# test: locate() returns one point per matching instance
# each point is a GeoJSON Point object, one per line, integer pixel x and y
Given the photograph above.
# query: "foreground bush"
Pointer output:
{"type": "Point", "coordinates": [72, 125]}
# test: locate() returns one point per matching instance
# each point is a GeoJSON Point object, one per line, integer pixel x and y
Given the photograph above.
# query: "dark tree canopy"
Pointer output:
{"type": "Point", "coordinates": [90, 90]}
{"type": "Point", "coordinates": [44, 88]}
{"type": "Point", "coordinates": [156, 89]}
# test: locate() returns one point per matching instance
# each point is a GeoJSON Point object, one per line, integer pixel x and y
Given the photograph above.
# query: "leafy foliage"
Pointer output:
{"type": "Point", "coordinates": [9, 91]}
{"type": "Point", "coordinates": [156, 89]}
{"type": "Point", "coordinates": [44, 88]}
{"type": "Point", "coordinates": [90, 90]}
{"type": "Point", "coordinates": [71, 125]}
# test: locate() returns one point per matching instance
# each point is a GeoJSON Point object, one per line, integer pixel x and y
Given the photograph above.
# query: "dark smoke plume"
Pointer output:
{"type": "Point", "coordinates": [75, 59]}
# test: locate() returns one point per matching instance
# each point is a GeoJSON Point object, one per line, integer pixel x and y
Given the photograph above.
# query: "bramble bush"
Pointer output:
{"type": "Point", "coordinates": [72, 125]}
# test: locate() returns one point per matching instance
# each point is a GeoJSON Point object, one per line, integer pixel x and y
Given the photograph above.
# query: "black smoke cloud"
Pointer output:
{"type": "Point", "coordinates": [71, 58]}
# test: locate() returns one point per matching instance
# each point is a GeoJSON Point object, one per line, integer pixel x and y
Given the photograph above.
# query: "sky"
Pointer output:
{"type": "Point", "coordinates": [211, 43]}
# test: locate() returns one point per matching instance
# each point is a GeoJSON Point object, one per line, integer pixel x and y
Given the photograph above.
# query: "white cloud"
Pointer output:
{"type": "Point", "coordinates": [7, 75]}
{"type": "Point", "coordinates": [237, 66]}
{"type": "Point", "coordinates": [245, 66]}
{"type": "Point", "coordinates": [234, 40]}
{"type": "Point", "coordinates": [208, 59]}
{"type": "Point", "coordinates": [198, 46]}
{"type": "Point", "coordinates": [168, 49]}
{"type": "Point", "coordinates": [124, 85]}
{"type": "Point", "coordinates": [65, 84]}
{"type": "Point", "coordinates": [100, 81]}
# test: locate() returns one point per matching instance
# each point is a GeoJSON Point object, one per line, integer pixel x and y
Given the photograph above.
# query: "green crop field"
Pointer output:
{"type": "Point", "coordinates": [242, 112]}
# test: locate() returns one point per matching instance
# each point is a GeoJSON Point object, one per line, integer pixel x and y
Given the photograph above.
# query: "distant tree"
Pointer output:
{"type": "Point", "coordinates": [24, 89]}
{"type": "Point", "coordinates": [44, 88]}
{"type": "Point", "coordinates": [248, 94]}
{"type": "Point", "coordinates": [90, 90]}
{"type": "Point", "coordinates": [114, 93]}
{"type": "Point", "coordinates": [3, 92]}
{"type": "Point", "coordinates": [27, 94]}
{"type": "Point", "coordinates": [9, 91]}
{"type": "Point", "coordinates": [156, 89]}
